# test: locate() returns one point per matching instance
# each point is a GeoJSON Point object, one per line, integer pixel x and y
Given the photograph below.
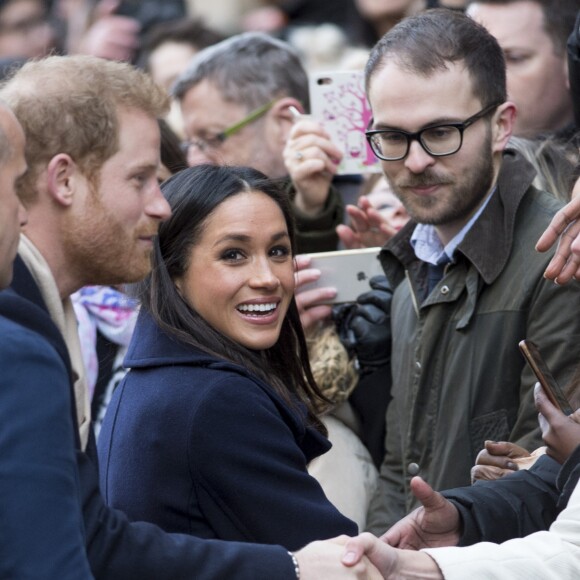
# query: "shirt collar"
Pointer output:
{"type": "Point", "coordinates": [427, 245]}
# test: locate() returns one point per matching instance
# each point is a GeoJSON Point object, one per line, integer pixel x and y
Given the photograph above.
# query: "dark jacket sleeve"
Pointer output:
{"type": "Point", "coordinates": [42, 530]}
{"type": "Point", "coordinates": [568, 478]}
{"type": "Point", "coordinates": [574, 68]}
{"type": "Point", "coordinates": [317, 233]}
{"type": "Point", "coordinates": [123, 550]}
{"type": "Point", "coordinates": [258, 486]}
{"type": "Point", "coordinates": [514, 506]}
{"type": "Point", "coordinates": [370, 400]}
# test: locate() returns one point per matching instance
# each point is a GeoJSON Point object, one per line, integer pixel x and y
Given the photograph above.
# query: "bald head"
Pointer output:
{"type": "Point", "coordinates": [12, 214]}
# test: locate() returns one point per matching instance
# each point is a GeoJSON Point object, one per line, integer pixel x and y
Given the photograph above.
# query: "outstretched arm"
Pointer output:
{"type": "Point", "coordinates": [560, 432]}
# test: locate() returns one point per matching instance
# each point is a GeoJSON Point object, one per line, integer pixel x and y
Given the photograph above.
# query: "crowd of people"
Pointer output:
{"type": "Point", "coordinates": [179, 401]}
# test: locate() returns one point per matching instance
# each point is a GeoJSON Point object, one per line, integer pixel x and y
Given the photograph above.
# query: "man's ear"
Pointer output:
{"type": "Point", "coordinates": [502, 125]}
{"type": "Point", "coordinates": [281, 114]}
{"type": "Point", "coordinates": [62, 175]}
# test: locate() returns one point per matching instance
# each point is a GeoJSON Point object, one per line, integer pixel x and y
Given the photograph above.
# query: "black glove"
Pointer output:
{"type": "Point", "coordinates": [364, 327]}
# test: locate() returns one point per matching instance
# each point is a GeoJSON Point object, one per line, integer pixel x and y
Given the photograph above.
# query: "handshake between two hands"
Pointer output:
{"type": "Point", "coordinates": [394, 554]}
{"type": "Point", "coordinates": [364, 557]}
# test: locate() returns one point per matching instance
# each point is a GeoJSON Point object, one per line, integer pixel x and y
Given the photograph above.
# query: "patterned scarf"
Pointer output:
{"type": "Point", "coordinates": [109, 311]}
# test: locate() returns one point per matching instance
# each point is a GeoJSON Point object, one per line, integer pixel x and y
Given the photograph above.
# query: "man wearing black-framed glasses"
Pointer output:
{"type": "Point", "coordinates": [438, 140]}
{"type": "Point", "coordinates": [468, 284]}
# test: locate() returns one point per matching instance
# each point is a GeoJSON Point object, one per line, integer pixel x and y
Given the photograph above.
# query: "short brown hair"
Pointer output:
{"type": "Point", "coordinates": [427, 43]}
{"type": "Point", "coordinates": [69, 104]}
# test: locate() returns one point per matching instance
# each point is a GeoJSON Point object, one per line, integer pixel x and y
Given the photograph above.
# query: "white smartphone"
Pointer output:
{"type": "Point", "coordinates": [349, 271]}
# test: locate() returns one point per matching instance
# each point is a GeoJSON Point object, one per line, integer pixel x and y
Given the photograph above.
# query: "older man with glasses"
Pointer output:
{"type": "Point", "coordinates": [468, 284]}
{"type": "Point", "coordinates": [239, 100]}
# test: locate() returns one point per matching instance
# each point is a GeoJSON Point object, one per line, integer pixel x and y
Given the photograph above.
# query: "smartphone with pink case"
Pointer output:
{"type": "Point", "coordinates": [338, 101]}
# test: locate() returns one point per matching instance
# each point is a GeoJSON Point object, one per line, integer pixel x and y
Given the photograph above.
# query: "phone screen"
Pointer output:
{"type": "Point", "coordinates": [553, 391]}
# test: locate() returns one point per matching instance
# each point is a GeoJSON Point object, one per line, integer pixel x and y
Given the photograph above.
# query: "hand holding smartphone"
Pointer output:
{"type": "Point", "coordinates": [339, 103]}
{"type": "Point", "coordinates": [349, 271]}
{"type": "Point", "coordinates": [546, 379]}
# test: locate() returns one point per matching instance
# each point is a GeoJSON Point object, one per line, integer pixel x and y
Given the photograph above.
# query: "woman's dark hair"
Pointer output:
{"type": "Point", "coordinates": [172, 155]}
{"type": "Point", "coordinates": [194, 194]}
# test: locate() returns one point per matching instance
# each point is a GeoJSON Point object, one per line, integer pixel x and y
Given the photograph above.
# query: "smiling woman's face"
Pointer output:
{"type": "Point", "coordinates": [240, 274]}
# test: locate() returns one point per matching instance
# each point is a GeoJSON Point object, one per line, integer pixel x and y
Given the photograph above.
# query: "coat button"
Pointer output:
{"type": "Point", "coordinates": [413, 468]}
{"type": "Point", "coordinates": [445, 290]}
{"type": "Point", "coordinates": [418, 365]}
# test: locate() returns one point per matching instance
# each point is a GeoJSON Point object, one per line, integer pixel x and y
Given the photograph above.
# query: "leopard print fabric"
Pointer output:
{"type": "Point", "coordinates": [334, 372]}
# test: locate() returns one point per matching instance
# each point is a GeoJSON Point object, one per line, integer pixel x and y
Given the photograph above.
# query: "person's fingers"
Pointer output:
{"type": "Point", "coordinates": [575, 247]}
{"type": "Point", "coordinates": [313, 315]}
{"type": "Point", "coordinates": [489, 472]}
{"type": "Point", "coordinates": [575, 416]}
{"type": "Point", "coordinates": [569, 271]}
{"type": "Point", "coordinates": [314, 297]}
{"type": "Point", "coordinates": [305, 276]}
{"type": "Point", "coordinates": [297, 158]}
{"type": "Point", "coordinates": [312, 142]}
{"type": "Point", "coordinates": [340, 540]}
{"type": "Point", "coordinates": [561, 220]}
{"type": "Point", "coordinates": [307, 125]}
{"type": "Point", "coordinates": [307, 168]}
{"type": "Point", "coordinates": [379, 231]}
{"type": "Point", "coordinates": [544, 405]}
{"type": "Point", "coordinates": [301, 261]}
{"type": "Point", "coordinates": [544, 425]}
{"type": "Point", "coordinates": [505, 449]}
{"type": "Point", "coordinates": [358, 219]}
{"type": "Point", "coordinates": [561, 266]}
{"type": "Point", "coordinates": [355, 548]}
{"type": "Point", "coordinates": [356, 213]}
{"type": "Point", "coordinates": [392, 536]}
{"type": "Point", "coordinates": [106, 8]}
{"type": "Point", "coordinates": [364, 202]}
{"type": "Point", "coordinates": [349, 238]}
{"type": "Point", "coordinates": [484, 457]}
{"type": "Point", "coordinates": [425, 494]}
{"type": "Point", "coordinates": [306, 299]}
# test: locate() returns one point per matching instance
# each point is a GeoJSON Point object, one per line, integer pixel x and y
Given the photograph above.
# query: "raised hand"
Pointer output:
{"type": "Point", "coordinates": [564, 226]}
{"type": "Point", "coordinates": [311, 160]}
{"type": "Point", "coordinates": [561, 433]}
{"type": "Point", "coordinates": [368, 227]}
{"type": "Point", "coordinates": [436, 523]}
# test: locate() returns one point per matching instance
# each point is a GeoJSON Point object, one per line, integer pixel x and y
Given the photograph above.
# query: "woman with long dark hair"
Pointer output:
{"type": "Point", "coordinates": [212, 429]}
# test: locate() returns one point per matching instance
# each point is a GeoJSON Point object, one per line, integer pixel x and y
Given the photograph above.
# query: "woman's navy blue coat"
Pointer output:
{"type": "Point", "coordinates": [200, 446]}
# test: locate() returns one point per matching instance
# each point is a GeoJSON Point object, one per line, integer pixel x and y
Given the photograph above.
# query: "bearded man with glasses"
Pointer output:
{"type": "Point", "coordinates": [468, 283]}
